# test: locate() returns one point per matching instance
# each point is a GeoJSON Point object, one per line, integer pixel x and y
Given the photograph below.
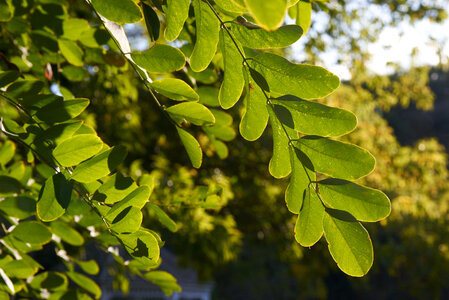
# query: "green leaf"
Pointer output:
{"type": "Point", "coordinates": [208, 96]}
{"type": "Point", "coordinates": [119, 11]}
{"type": "Point", "coordinates": [6, 10]}
{"type": "Point", "coordinates": [233, 81]}
{"type": "Point", "coordinates": [207, 32]}
{"type": "Point", "coordinates": [176, 15]}
{"type": "Point", "coordinates": [24, 88]}
{"type": "Point", "coordinates": [152, 21]}
{"type": "Point", "coordinates": [52, 281]}
{"type": "Point", "coordinates": [299, 181]}
{"type": "Point", "coordinates": [208, 76]}
{"type": "Point", "coordinates": [313, 118]}
{"type": "Point", "coordinates": [8, 77]}
{"type": "Point", "coordinates": [9, 186]}
{"type": "Point", "coordinates": [160, 59]}
{"type": "Point", "coordinates": [222, 129]}
{"type": "Point", "coordinates": [19, 269]}
{"type": "Point", "coordinates": [143, 246]}
{"type": "Point", "coordinates": [163, 217]}
{"type": "Point", "coordinates": [127, 221]}
{"type": "Point", "coordinates": [100, 165]}
{"type": "Point", "coordinates": [220, 148]}
{"type": "Point", "coordinates": [7, 151]}
{"type": "Point", "coordinates": [56, 134]}
{"type": "Point", "coordinates": [90, 266]}
{"type": "Point", "coordinates": [175, 89]}
{"type": "Point", "coordinates": [164, 280]}
{"type": "Point", "coordinates": [73, 28]}
{"type": "Point", "coordinates": [231, 6]}
{"type": "Point", "coordinates": [336, 159]}
{"type": "Point", "coordinates": [279, 166]}
{"type": "Point", "coordinates": [75, 74]}
{"type": "Point", "coordinates": [71, 52]}
{"type": "Point", "coordinates": [85, 283]}
{"type": "Point", "coordinates": [304, 81]}
{"type": "Point", "coordinates": [304, 15]}
{"type": "Point", "coordinates": [115, 189]}
{"type": "Point", "coordinates": [349, 243]}
{"type": "Point", "coordinates": [268, 14]}
{"type": "Point", "coordinates": [192, 146]}
{"type": "Point", "coordinates": [364, 203]}
{"type": "Point", "coordinates": [54, 198]}
{"type": "Point", "coordinates": [60, 111]}
{"type": "Point", "coordinates": [20, 207]}
{"type": "Point", "coordinates": [255, 117]}
{"type": "Point", "coordinates": [77, 149]}
{"type": "Point", "coordinates": [67, 233]}
{"type": "Point", "coordinates": [32, 232]}
{"type": "Point", "coordinates": [258, 38]}
{"type": "Point", "coordinates": [193, 112]}
{"type": "Point", "coordinates": [137, 198]}
{"type": "Point", "coordinates": [309, 226]}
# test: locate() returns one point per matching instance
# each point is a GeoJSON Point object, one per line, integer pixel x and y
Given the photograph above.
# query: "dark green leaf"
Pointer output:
{"type": "Point", "coordinates": [60, 111]}
{"type": "Point", "coordinates": [19, 207]}
{"type": "Point", "coordinates": [334, 158]}
{"type": "Point", "coordinates": [19, 269]}
{"type": "Point", "coordinates": [9, 186]}
{"type": "Point", "coordinates": [208, 96]}
{"type": "Point", "coordinates": [52, 281]}
{"type": "Point", "coordinates": [152, 21]}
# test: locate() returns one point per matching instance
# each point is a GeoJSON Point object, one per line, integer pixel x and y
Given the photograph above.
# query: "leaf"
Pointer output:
{"type": "Point", "coordinates": [163, 217]}
{"type": "Point", "coordinates": [304, 14]}
{"type": "Point", "coordinates": [56, 134]}
{"type": "Point", "coordinates": [299, 181]}
{"type": "Point", "coordinates": [176, 15]}
{"type": "Point", "coordinates": [7, 151]}
{"type": "Point", "coordinates": [258, 38]}
{"type": "Point", "coordinates": [115, 189]}
{"type": "Point", "coordinates": [119, 11]}
{"type": "Point", "coordinates": [6, 10]}
{"type": "Point", "coordinates": [20, 207]}
{"type": "Point", "coordinates": [160, 59]}
{"type": "Point", "coordinates": [67, 233]}
{"type": "Point", "coordinates": [143, 246]}
{"type": "Point", "coordinates": [364, 203]}
{"type": "Point", "coordinates": [279, 166]}
{"type": "Point", "coordinates": [193, 112]}
{"type": "Point", "coordinates": [175, 89]}
{"type": "Point", "coordinates": [73, 28]}
{"type": "Point", "coordinates": [19, 269]}
{"type": "Point", "coordinates": [137, 198]}
{"type": "Point", "coordinates": [208, 96]}
{"type": "Point", "coordinates": [100, 165]}
{"type": "Point", "coordinates": [336, 159]}
{"type": "Point", "coordinates": [309, 225]}
{"type": "Point", "coordinates": [222, 129]}
{"type": "Point", "coordinates": [59, 111]}
{"type": "Point", "coordinates": [127, 221]}
{"type": "Point", "coordinates": [304, 81]}
{"type": "Point", "coordinates": [230, 6]}
{"type": "Point", "coordinates": [75, 74]}
{"type": "Point", "coordinates": [207, 32]}
{"type": "Point", "coordinates": [268, 14]}
{"type": "Point", "coordinates": [77, 149]}
{"type": "Point", "coordinates": [192, 146]}
{"type": "Point", "coordinates": [71, 52]}
{"type": "Point", "coordinates": [32, 232]}
{"type": "Point", "coordinates": [8, 77]}
{"type": "Point", "coordinates": [54, 198]}
{"type": "Point", "coordinates": [255, 117]}
{"type": "Point", "coordinates": [52, 281]}
{"type": "Point", "coordinates": [349, 243]}
{"type": "Point", "coordinates": [90, 266]}
{"type": "Point", "coordinates": [164, 280]}
{"type": "Point", "coordinates": [313, 118]}
{"type": "Point", "coordinates": [233, 81]}
{"type": "Point", "coordinates": [152, 21]}
{"type": "Point", "coordinates": [9, 186]}
{"type": "Point", "coordinates": [85, 283]}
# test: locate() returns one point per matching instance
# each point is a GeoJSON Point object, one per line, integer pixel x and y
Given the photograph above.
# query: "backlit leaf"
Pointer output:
{"type": "Point", "coordinates": [143, 246]}
{"type": "Point", "coordinates": [127, 221]}
{"type": "Point", "coordinates": [304, 14]}
{"type": "Point", "coordinates": [19, 207]}
{"type": "Point", "coordinates": [166, 281]}
{"type": "Point", "coordinates": [90, 266]}
{"type": "Point", "coordinates": [365, 204]}
{"type": "Point", "coordinates": [7, 151]}
{"type": "Point", "coordinates": [77, 149]}
{"type": "Point", "coordinates": [54, 198]}
{"type": "Point", "coordinates": [85, 283]}
{"type": "Point", "coordinates": [336, 159]}
{"type": "Point", "coordinates": [349, 243]}
{"type": "Point", "coordinates": [258, 38]}
{"type": "Point", "coordinates": [304, 81]}
{"type": "Point", "coordinates": [175, 89]}
{"type": "Point", "coordinates": [207, 32]}
{"type": "Point", "coordinates": [193, 112]}
{"type": "Point", "coordinates": [71, 51]}
{"type": "Point", "coordinates": [115, 189]}
{"type": "Point", "coordinates": [137, 198]}
{"type": "Point", "coordinates": [119, 11]}
{"type": "Point", "coordinates": [176, 14]}
{"type": "Point", "coordinates": [60, 111]}
{"type": "Point", "coordinates": [192, 146]}
{"type": "Point", "coordinates": [309, 226]}
{"type": "Point", "coordinates": [163, 217]}
{"type": "Point", "coordinates": [313, 118]}
{"type": "Point", "coordinates": [268, 14]}
{"type": "Point", "coordinates": [32, 232]}
{"type": "Point", "coordinates": [160, 59]}
{"type": "Point", "coordinates": [67, 233]}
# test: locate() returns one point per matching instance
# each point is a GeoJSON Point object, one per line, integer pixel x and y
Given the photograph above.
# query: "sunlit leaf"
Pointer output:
{"type": "Point", "coordinates": [77, 149]}
{"type": "Point", "coordinates": [176, 14]}
{"type": "Point", "coordinates": [60, 111]}
{"type": "Point", "coordinates": [115, 189]}
{"type": "Point", "coordinates": [192, 146]}
{"type": "Point", "coordinates": [67, 233]}
{"type": "Point", "coordinates": [143, 246]}
{"type": "Point", "coordinates": [193, 112]}
{"type": "Point", "coordinates": [365, 204]}
{"type": "Point", "coordinates": [304, 14]}
{"type": "Point", "coordinates": [163, 217]}
{"type": "Point", "coordinates": [119, 11]}
{"type": "Point", "coordinates": [207, 32]}
{"type": "Point", "coordinates": [71, 51]}
{"type": "Point", "coordinates": [127, 221]}
{"type": "Point", "coordinates": [19, 207]}
{"type": "Point", "coordinates": [90, 266]}
{"type": "Point", "coordinates": [349, 243]}
{"type": "Point", "coordinates": [137, 198]}
{"type": "Point", "coordinates": [268, 14]}
{"type": "Point", "coordinates": [334, 158]}
{"type": "Point", "coordinates": [51, 281]}
{"type": "Point", "coordinates": [7, 151]}
{"type": "Point", "coordinates": [32, 232]}
{"type": "Point", "coordinates": [54, 198]}
{"type": "Point", "coordinates": [309, 225]}
{"type": "Point", "coordinates": [85, 283]}
{"type": "Point", "coordinates": [166, 281]}
{"type": "Point", "coordinates": [258, 38]}
{"type": "Point", "coordinates": [175, 89]}
{"type": "Point", "coordinates": [160, 59]}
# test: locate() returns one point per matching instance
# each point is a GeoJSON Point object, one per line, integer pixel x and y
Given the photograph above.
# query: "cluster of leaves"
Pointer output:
{"type": "Point", "coordinates": [72, 170]}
